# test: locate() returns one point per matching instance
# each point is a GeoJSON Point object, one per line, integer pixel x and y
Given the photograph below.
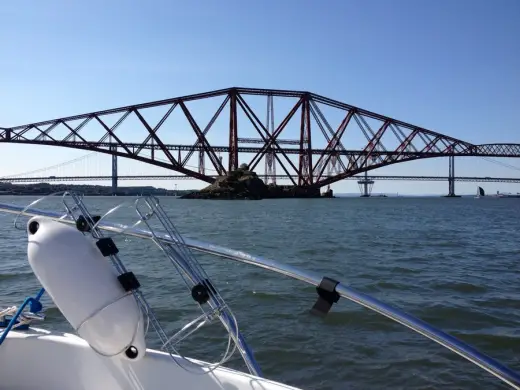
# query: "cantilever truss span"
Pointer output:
{"type": "Point", "coordinates": [313, 140]}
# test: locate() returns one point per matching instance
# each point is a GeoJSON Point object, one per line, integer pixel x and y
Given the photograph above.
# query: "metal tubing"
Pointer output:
{"type": "Point", "coordinates": [487, 363]}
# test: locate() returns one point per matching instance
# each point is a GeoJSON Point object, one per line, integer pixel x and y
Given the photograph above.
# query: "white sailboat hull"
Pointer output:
{"type": "Point", "coordinates": [42, 360]}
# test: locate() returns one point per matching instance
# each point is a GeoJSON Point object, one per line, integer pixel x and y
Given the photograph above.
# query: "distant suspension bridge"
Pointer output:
{"type": "Point", "coordinates": [185, 177]}
{"type": "Point", "coordinates": [81, 169]}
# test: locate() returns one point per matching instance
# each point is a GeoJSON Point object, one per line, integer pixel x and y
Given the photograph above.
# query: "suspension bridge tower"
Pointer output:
{"type": "Point", "coordinates": [365, 186]}
{"type": "Point", "coordinates": [451, 178]}
{"type": "Point", "coordinates": [114, 172]}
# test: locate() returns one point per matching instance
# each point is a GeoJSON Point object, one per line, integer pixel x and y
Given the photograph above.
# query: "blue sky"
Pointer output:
{"type": "Point", "coordinates": [450, 66]}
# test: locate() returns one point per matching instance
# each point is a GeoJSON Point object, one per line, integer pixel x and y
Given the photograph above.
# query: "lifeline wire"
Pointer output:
{"type": "Point", "coordinates": [182, 259]}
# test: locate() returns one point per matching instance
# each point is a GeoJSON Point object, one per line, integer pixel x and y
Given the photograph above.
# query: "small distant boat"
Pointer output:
{"type": "Point", "coordinates": [508, 195]}
{"type": "Point", "coordinates": [480, 192]}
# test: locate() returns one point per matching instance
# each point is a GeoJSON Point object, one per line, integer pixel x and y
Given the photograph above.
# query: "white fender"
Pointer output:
{"type": "Point", "coordinates": [84, 286]}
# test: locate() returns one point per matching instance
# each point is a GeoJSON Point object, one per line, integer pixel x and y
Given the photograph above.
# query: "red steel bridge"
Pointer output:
{"type": "Point", "coordinates": [310, 139]}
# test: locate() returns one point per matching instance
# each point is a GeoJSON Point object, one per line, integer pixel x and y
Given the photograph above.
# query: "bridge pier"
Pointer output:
{"type": "Point", "coordinates": [365, 186]}
{"type": "Point", "coordinates": [451, 178]}
{"type": "Point", "coordinates": [114, 174]}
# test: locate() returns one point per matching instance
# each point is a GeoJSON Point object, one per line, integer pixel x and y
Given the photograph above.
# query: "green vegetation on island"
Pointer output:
{"type": "Point", "coordinates": [245, 184]}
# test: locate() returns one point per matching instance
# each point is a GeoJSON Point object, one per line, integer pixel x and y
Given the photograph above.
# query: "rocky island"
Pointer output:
{"type": "Point", "coordinates": [245, 184]}
{"type": "Point", "coordinates": [239, 184]}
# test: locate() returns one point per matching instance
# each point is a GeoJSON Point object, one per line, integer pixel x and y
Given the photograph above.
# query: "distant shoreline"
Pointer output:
{"type": "Point", "coordinates": [41, 189]}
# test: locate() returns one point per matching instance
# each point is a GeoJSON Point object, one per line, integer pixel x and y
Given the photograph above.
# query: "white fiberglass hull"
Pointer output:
{"type": "Point", "coordinates": [42, 360]}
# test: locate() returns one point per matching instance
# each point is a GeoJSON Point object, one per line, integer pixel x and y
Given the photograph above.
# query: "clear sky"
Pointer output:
{"type": "Point", "coordinates": [450, 66]}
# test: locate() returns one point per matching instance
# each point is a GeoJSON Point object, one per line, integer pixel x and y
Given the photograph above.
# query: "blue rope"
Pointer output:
{"type": "Point", "coordinates": [34, 305]}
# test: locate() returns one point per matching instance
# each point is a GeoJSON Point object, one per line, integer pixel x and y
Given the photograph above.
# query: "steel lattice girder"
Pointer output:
{"type": "Point", "coordinates": [360, 140]}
